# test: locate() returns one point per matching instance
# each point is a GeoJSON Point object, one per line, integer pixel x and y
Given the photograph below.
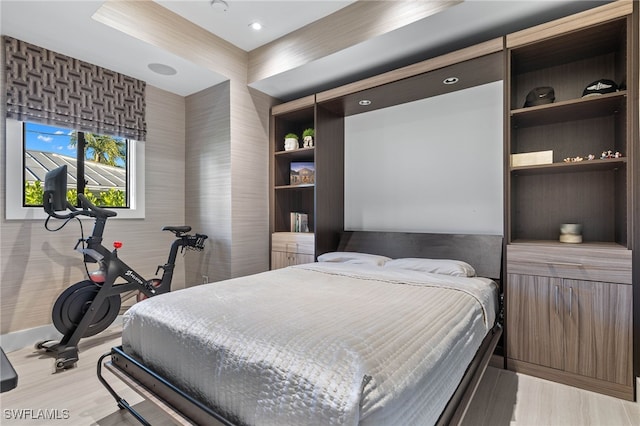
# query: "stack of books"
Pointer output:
{"type": "Point", "coordinates": [299, 222]}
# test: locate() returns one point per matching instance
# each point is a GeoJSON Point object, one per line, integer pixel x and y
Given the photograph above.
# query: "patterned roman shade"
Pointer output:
{"type": "Point", "coordinates": [47, 87]}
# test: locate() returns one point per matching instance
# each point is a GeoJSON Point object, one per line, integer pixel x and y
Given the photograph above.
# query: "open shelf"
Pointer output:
{"type": "Point", "coordinates": [289, 187]}
{"type": "Point", "coordinates": [573, 167]}
{"type": "Point", "coordinates": [570, 110]}
{"type": "Point", "coordinates": [584, 245]}
{"type": "Point", "coordinates": [297, 154]}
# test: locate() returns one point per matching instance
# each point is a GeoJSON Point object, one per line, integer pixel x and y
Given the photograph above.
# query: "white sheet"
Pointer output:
{"type": "Point", "coordinates": [317, 344]}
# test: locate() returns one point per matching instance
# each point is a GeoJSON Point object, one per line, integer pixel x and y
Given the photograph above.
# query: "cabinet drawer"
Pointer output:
{"type": "Point", "coordinates": [293, 242]}
{"type": "Point", "coordinates": [581, 262]}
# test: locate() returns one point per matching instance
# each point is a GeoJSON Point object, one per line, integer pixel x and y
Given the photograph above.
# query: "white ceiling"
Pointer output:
{"type": "Point", "coordinates": [278, 18]}
{"type": "Point", "coordinates": [65, 26]}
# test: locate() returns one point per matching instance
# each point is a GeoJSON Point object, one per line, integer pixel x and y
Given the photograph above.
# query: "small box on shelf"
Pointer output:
{"type": "Point", "coordinates": [531, 158]}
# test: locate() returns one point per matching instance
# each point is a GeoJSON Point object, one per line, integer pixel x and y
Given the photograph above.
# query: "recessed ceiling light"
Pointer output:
{"type": "Point", "coordinates": [364, 102]}
{"type": "Point", "coordinates": [451, 80]}
{"type": "Point", "coordinates": [256, 26]}
{"type": "Point", "coordinates": [162, 69]}
{"type": "Point", "coordinates": [220, 5]}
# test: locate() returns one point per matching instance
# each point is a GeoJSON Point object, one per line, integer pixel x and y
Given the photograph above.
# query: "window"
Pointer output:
{"type": "Point", "coordinates": [97, 164]}
{"type": "Point", "coordinates": [100, 166]}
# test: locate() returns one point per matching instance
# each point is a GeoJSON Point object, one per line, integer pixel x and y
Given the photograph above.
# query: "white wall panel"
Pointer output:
{"type": "Point", "coordinates": [433, 165]}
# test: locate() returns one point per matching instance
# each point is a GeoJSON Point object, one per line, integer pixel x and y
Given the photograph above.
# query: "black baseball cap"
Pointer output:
{"type": "Point", "coordinates": [600, 87]}
{"type": "Point", "coordinates": [540, 96]}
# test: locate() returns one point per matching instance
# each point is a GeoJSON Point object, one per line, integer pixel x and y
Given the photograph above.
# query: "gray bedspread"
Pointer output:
{"type": "Point", "coordinates": [317, 344]}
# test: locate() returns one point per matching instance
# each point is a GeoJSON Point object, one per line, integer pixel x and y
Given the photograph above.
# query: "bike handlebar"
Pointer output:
{"type": "Point", "coordinates": [196, 241]}
{"type": "Point", "coordinates": [88, 209]}
{"type": "Point", "coordinates": [98, 211]}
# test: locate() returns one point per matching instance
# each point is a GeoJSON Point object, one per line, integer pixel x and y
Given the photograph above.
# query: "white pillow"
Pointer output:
{"type": "Point", "coordinates": [353, 257]}
{"type": "Point", "coordinates": [456, 268]}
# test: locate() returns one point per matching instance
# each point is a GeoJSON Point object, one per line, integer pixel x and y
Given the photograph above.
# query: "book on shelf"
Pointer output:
{"type": "Point", "coordinates": [299, 222]}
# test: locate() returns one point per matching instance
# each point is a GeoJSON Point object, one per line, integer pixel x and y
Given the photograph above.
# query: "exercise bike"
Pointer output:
{"type": "Point", "coordinates": [88, 307]}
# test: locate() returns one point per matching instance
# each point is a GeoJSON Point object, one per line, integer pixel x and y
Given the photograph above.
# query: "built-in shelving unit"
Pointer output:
{"type": "Point", "coordinates": [287, 198]}
{"type": "Point", "coordinates": [569, 306]}
{"type": "Point", "coordinates": [323, 200]}
{"type": "Point", "coordinates": [591, 192]}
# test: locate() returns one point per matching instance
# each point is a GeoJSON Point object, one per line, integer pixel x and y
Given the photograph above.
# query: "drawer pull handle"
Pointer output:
{"type": "Point", "coordinates": [570, 301]}
{"type": "Point", "coordinates": [575, 264]}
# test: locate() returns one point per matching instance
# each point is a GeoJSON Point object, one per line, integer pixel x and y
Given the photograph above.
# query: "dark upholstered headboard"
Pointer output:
{"type": "Point", "coordinates": [483, 252]}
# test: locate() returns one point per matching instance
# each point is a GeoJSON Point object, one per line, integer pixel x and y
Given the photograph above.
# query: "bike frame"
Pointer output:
{"type": "Point", "coordinates": [115, 268]}
{"type": "Point", "coordinates": [66, 350]}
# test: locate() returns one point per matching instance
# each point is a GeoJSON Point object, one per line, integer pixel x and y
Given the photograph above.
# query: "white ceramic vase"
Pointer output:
{"type": "Point", "coordinates": [290, 144]}
{"type": "Point", "coordinates": [307, 141]}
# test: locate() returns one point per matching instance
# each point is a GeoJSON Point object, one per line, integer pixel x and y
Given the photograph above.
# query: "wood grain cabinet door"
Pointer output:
{"type": "Point", "coordinates": [303, 258]}
{"type": "Point", "coordinates": [597, 324]}
{"type": "Point", "coordinates": [534, 320]}
{"type": "Point", "coordinates": [282, 259]}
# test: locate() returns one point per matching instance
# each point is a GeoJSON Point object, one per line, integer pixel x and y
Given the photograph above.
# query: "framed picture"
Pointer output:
{"type": "Point", "coordinates": [302, 173]}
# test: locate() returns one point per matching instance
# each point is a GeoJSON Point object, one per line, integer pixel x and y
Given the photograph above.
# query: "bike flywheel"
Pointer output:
{"type": "Point", "coordinates": [75, 301]}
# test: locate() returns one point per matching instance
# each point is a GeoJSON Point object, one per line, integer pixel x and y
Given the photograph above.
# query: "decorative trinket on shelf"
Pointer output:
{"type": "Point", "coordinates": [573, 159]}
{"type": "Point", "coordinates": [290, 142]}
{"type": "Point", "coordinates": [603, 156]}
{"type": "Point", "coordinates": [571, 233]}
{"type": "Point", "coordinates": [307, 138]}
{"type": "Point", "coordinates": [610, 154]}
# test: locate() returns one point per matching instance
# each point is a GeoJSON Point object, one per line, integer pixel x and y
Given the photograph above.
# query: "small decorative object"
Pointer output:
{"type": "Point", "coordinates": [290, 142]}
{"type": "Point", "coordinates": [302, 173]}
{"type": "Point", "coordinates": [603, 156]}
{"type": "Point", "coordinates": [571, 233]}
{"type": "Point", "coordinates": [307, 138]}
{"type": "Point", "coordinates": [573, 159]}
{"type": "Point", "coordinates": [610, 154]}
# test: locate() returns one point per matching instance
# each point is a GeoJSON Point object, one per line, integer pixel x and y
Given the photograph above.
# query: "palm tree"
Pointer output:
{"type": "Point", "coordinates": [102, 148]}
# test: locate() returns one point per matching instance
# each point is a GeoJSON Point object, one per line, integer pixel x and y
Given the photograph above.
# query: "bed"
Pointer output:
{"type": "Point", "coordinates": [392, 328]}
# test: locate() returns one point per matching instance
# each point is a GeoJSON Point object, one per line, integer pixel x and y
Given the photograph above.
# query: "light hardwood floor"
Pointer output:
{"type": "Point", "coordinates": [503, 397]}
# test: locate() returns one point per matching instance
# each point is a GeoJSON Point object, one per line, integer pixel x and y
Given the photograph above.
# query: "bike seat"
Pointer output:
{"type": "Point", "coordinates": [177, 229]}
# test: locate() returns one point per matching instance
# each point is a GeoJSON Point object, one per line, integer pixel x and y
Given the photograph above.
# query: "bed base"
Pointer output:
{"type": "Point", "coordinates": [459, 403]}
{"type": "Point", "coordinates": [179, 405]}
{"type": "Point", "coordinates": [157, 389]}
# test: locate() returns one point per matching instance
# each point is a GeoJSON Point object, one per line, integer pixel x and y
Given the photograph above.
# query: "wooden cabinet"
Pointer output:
{"type": "Point", "coordinates": [597, 328]}
{"type": "Point", "coordinates": [569, 306]}
{"type": "Point", "coordinates": [291, 248]}
{"type": "Point", "coordinates": [322, 199]}
{"type": "Point", "coordinates": [563, 323]}
{"type": "Point", "coordinates": [535, 320]}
